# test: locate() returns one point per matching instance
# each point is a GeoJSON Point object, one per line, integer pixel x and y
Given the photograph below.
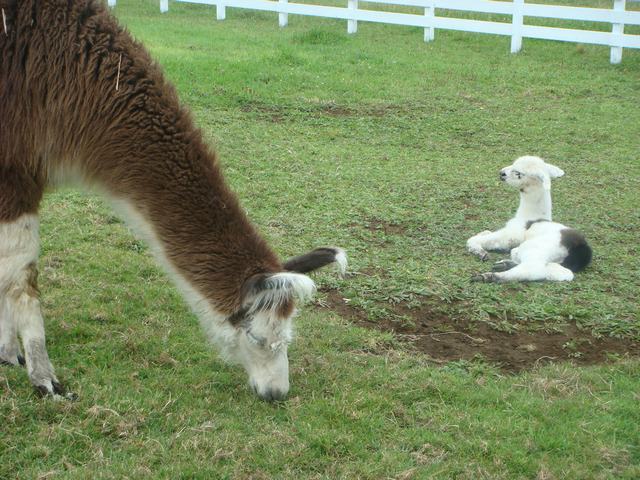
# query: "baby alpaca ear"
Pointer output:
{"type": "Point", "coordinates": [545, 179]}
{"type": "Point", "coordinates": [553, 171]}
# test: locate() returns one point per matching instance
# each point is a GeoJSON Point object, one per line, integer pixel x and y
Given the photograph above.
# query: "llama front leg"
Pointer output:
{"type": "Point", "coordinates": [24, 306]}
{"type": "Point", "coordinates": [9, 345]}
{"type": "Point", "coordinates": [12, 252]}
{"type": "Point", "coordinates": [21, 312]}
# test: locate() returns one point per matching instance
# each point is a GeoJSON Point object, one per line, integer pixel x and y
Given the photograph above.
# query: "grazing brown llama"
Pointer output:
{"type": "Point", "coordinates": [81, 100]}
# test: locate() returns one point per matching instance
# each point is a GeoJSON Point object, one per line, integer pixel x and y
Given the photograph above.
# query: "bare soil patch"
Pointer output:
{"type": "Point", "coordinates": [444, 339]}
{"type": "Point", "coordinates": [377, 225]}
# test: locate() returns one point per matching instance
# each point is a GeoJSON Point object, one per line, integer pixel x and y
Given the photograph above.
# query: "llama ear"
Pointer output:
{"type": "Point", "coordinates": [269, 291]}
{"type": "Point", "coordinates": [553, 171]}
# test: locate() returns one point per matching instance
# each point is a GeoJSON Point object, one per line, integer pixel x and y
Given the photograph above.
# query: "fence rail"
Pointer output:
{"type": "Point", "coordinates": [617, 17]}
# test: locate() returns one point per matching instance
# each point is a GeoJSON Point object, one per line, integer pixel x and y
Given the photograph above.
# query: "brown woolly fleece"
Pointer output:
{"type": "Point", "coordinates": [61, 115]}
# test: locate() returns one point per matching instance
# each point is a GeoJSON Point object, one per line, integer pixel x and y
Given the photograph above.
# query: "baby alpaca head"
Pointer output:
{"type": "Point", "coordinates": [530, 172]}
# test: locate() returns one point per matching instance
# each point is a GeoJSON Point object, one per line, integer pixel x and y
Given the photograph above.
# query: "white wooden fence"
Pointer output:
{"type": "Point", "coordinates": [617, 17]}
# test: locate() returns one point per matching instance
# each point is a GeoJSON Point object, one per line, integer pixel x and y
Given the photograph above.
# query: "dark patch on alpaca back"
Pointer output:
{"type": "Point", "coordinates": [531, 222]}
{"type": "Point", "coordinates": [579, 251]}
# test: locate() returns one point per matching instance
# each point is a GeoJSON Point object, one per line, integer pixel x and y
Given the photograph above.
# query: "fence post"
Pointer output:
{"type": "Point", "coordinates": [221, 10]}
{"type": "Point", "coordinates": [283, 18]}
{"type": "Point", "coordinates": [517, 21]}
{"type": "Point", "coordinates": [429, 32]}
{"type": "Point", "coordinates": [352, 25]}
{"type": "Point", "coordinates": [617, 30]}
{"type": "Point", "coordinates": [164, 6]}
{"type": "Point", "coordinates": [112, 3]}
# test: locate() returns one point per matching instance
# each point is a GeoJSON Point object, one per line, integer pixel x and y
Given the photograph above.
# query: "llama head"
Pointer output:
{"type": "Point", "coordinates": [264, 330]}
{"type": "Point", "coordinates": [530, 172]}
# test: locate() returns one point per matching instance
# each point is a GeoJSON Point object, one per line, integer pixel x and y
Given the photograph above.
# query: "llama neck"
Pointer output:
{"type": "Point", "coordinates": [195, 226]}
{"type": "Point", "coordinates": [535, 204]}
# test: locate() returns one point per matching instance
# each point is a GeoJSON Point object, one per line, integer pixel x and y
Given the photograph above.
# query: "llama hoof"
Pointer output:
{"type": "Point", "coordinates": [56, 392]}
{"type": "Point", "coordinates": [19, 360]}
{"type": "Point", "coordinates": [484, 256]}
{"type": "Point", "coordinates": [485, 277]}
{"type": "Point", "coordinates": [503, 265]}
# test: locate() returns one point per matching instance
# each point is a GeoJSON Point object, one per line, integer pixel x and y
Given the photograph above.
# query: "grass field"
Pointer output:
{"type": "Point", "coordinates": [390, 148]}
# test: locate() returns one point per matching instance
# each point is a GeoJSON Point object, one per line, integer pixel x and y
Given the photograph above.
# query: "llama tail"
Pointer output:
{"type": "Point", "coordinates": [316, 259]}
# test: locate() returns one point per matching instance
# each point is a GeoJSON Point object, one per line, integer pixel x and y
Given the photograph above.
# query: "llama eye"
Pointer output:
{"type": "Point", "coordinates": [259, 341]}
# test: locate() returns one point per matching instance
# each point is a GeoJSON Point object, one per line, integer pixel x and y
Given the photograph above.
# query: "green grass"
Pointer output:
{"type": "Point", "coordinates": [326, 137]}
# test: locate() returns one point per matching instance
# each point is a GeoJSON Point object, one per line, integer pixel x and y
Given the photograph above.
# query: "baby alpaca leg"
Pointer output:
{"type": "Point", "coordinates": [508, 263]}
{"type": "Point", "coordinates": [528, 272]}
{"type": "Point", "coordinates": [503, 239]}
{"type": "Point", "coordinates": [558, 273]}
{"type": "Point", "coordinates": [474, 244]}
{"type": "Point", "coordinates": [503, 265]}
{"type": "Point", "coordinates": [524, 272]}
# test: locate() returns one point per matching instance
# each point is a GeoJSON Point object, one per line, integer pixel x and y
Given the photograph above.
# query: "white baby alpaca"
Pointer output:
{"type": "Point", "coordinates": [540, 249]}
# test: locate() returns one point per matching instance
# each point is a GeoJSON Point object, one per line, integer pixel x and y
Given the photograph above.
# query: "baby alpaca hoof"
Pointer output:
{"type": "Point", "coordinates": [481, 254]}
{"type": "Point", "coordinates": [503, 265]}
{"type": "Point", "coordinates": [485, 278]}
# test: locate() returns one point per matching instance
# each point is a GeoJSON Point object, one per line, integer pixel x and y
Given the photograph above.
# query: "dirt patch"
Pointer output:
{"type": "Point", "coordinates": [275, 114]}
{"type": "Point", "coordinates": [377, 110]}
{"type": "Point", "coordinates": [377, 225]}
{"type": "Point", "coordinates": [444, 339]}
{"type": "Point", "coordinates": [376, 231]}
{"type": "Point", "coordinates": [336, 110]}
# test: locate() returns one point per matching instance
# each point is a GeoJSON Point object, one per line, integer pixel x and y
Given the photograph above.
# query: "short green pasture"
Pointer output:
{"type": "Point", "coordinates": [390, 148]}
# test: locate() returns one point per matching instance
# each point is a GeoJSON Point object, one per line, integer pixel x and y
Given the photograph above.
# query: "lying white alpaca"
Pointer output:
{"type": "Point", "coordinates": [540, 249]}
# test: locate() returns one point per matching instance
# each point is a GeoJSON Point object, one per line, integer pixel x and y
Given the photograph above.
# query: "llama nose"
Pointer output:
{"type": "Point", "coordinates": [503, 175]}
{"type": "Point", "coordinates": [273, 395]}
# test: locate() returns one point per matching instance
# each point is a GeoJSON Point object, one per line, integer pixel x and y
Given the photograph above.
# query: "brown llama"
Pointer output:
{"type": "Point", "coordinates": [81, 100]}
